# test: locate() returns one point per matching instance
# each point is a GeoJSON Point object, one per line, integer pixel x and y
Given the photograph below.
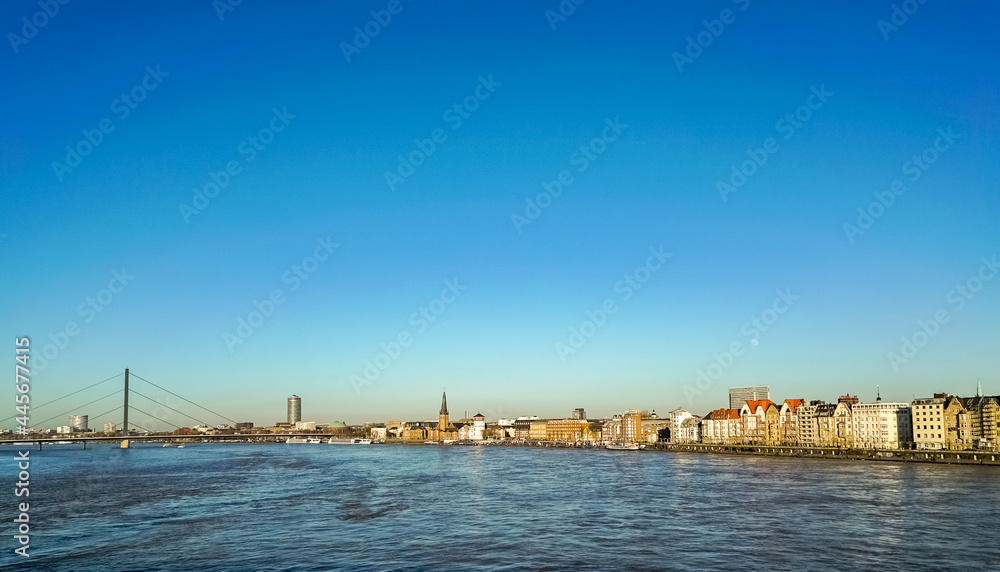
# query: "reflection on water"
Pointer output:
{"type": "Point", "coordinates": [249, 507]}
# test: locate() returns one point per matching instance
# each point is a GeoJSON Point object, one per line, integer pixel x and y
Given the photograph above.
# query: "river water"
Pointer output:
{"type": "Point", "coordinates": [323, 507]}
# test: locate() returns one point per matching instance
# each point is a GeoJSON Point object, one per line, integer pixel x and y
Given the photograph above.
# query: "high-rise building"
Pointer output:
{"type": "Point", "coordinates": [79, 422]}
{"type": "Point", "coordinates": [579, 413]}
{"type": "Point", "coordinates": [109, 427]}
{"type": "Point", "coordinates": [739, 395]}
{"type": "Point", "coordinates": [294, 409]}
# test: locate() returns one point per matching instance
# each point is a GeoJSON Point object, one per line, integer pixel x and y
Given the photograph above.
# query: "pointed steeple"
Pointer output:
{"type": "Point", "coordinates": [979, 388]}
{"type": "Point", "coordinates": [878, 399]}
{"type": "Point", "coordinates": [444, 404]}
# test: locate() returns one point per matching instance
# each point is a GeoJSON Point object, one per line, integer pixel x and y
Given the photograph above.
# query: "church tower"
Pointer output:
{"type": "Point", "coordinates": [443, 414]}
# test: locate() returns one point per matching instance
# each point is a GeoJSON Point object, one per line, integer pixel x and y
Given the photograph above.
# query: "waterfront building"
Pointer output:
{"type": "Point", "coordinates": [789, 421]}
{"type": "Point", "coordinates": [109, 427]}
{"type": "Point", "coordinates": [761, 422]}
{"type": "Point", "coordinates": [294, 409]}
{"type": "Point", "coordinates": [740, 395]}
{"type": "Point", "coordinates": [611, 430]}
{"type": "Point", "coordinates": [655, 429]}
{"type": "Point", "coordinates": [981, 420]}
{"type": "Point", "coordinates": [806, 414]}
{"type": "Point", "coordinates": [689, 431]}
{"type": "Point", "coordinates": [930, 423]}
{"type": "Point", "coordinates": [415, 430]}
{"type": "Point", "coordinates": [632, 426]}
{"type": "Point", "coordinates": [721, 426]}
{"type": "Point", "coordinates": [881, 425]}
{"type": "Point", "coordinates": [478, 431]}
{"type": "Point", "coordinates": [244, 427]}
{"type": "Point", "coordinates": [833, 425]}
{"type": "Point", "coordinates": [570, 430]}
{"type": "Point", "coordinates": [678, 416]}
{"type": "Point", "coordinates": [522, 427]}
{"type": "Point", "coordinates": [378, 434]}
{"type": "Point", "coordinates": [537, 429]}
{"type": "Point", "coordinates": [504, 428]}
{"type": "Point", "coordinates": [305, 425]}
{"type": "Point", "coordinates": [394, 429]}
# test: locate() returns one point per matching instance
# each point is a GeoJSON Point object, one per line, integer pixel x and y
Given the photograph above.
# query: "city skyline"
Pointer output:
{"type": "Point", "coordinates": [616, 208]}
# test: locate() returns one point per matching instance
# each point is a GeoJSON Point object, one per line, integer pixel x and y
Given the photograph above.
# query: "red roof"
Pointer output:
{"type": "Point", "coordinates": [794, 404]}
{"type": "Point", "coordinates": [762, 403]}
{"type": "Point", "coordinates": [724, 414]}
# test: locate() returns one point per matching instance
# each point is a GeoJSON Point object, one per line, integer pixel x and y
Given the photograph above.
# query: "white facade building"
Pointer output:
{"type": "Point", "coordinates": [929, 427]}
{"type": "Point", "coordinates": [881, 425]}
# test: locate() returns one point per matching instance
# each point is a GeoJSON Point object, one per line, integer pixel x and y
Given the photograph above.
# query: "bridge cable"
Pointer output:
{"type": "Point", "coordinates": [112, 411]}
{"type": "Point", "coordinates": [34, 425]}
{"type": "Point", "coordinates": [184, 398]}
{"type": "Point", "coordinates": [151, 415]}
{"type": "Point", "coordinates": [65, 396]}
{"type": "Point", "coordinates": [167, 406]}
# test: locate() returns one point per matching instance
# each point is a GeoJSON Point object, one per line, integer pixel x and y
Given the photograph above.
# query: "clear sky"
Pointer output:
{"type": "Point", "coordinates": [404, 183]}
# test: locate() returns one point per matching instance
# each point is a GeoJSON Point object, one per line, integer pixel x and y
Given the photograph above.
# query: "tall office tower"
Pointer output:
{"type": "Point", "coordinates": [294, 409]}
{"type": "Point", "coordinates": [579, 413]}
{"type": "Point", "coordinates": [737, 395]}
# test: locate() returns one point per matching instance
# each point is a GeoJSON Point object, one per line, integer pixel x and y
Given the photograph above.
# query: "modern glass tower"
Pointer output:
{"type": "Point", "coordinates": [294, 409]}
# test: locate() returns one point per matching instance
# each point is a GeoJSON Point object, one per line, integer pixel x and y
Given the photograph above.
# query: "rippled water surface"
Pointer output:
{"type": "Point", "coordinates": [321, 507]}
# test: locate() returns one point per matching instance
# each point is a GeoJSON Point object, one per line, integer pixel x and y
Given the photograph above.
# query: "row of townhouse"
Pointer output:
{"type": "Point", "coordinates": [941, 422]}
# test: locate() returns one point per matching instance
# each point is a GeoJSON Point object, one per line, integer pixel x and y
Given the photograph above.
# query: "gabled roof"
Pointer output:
{"type": "Point", "coordinates": [794, 404]}
{"type": "Point", "coordinates": [762, 403]}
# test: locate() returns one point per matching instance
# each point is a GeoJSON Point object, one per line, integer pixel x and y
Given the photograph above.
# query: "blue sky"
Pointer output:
{"type": "Point", "coordinates": [505, 295]}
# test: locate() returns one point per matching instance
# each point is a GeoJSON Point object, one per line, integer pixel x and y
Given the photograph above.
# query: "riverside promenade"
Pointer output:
{"type": "Point", "coordinates": [898, 455]}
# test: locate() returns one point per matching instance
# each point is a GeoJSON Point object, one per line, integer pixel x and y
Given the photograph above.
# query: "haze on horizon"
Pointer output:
{"type": "Point", "coordinates": [543, 210]}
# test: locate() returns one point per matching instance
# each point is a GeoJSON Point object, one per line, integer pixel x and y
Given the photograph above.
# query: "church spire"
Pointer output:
{"type": "Point", "coordinates": [444, 404]}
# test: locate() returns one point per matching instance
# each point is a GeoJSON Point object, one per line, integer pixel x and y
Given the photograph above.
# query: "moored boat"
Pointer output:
{"type": "Point", "coordinates": [622, 446]}
{"type": "Point", "coordinates": [349, 441]}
